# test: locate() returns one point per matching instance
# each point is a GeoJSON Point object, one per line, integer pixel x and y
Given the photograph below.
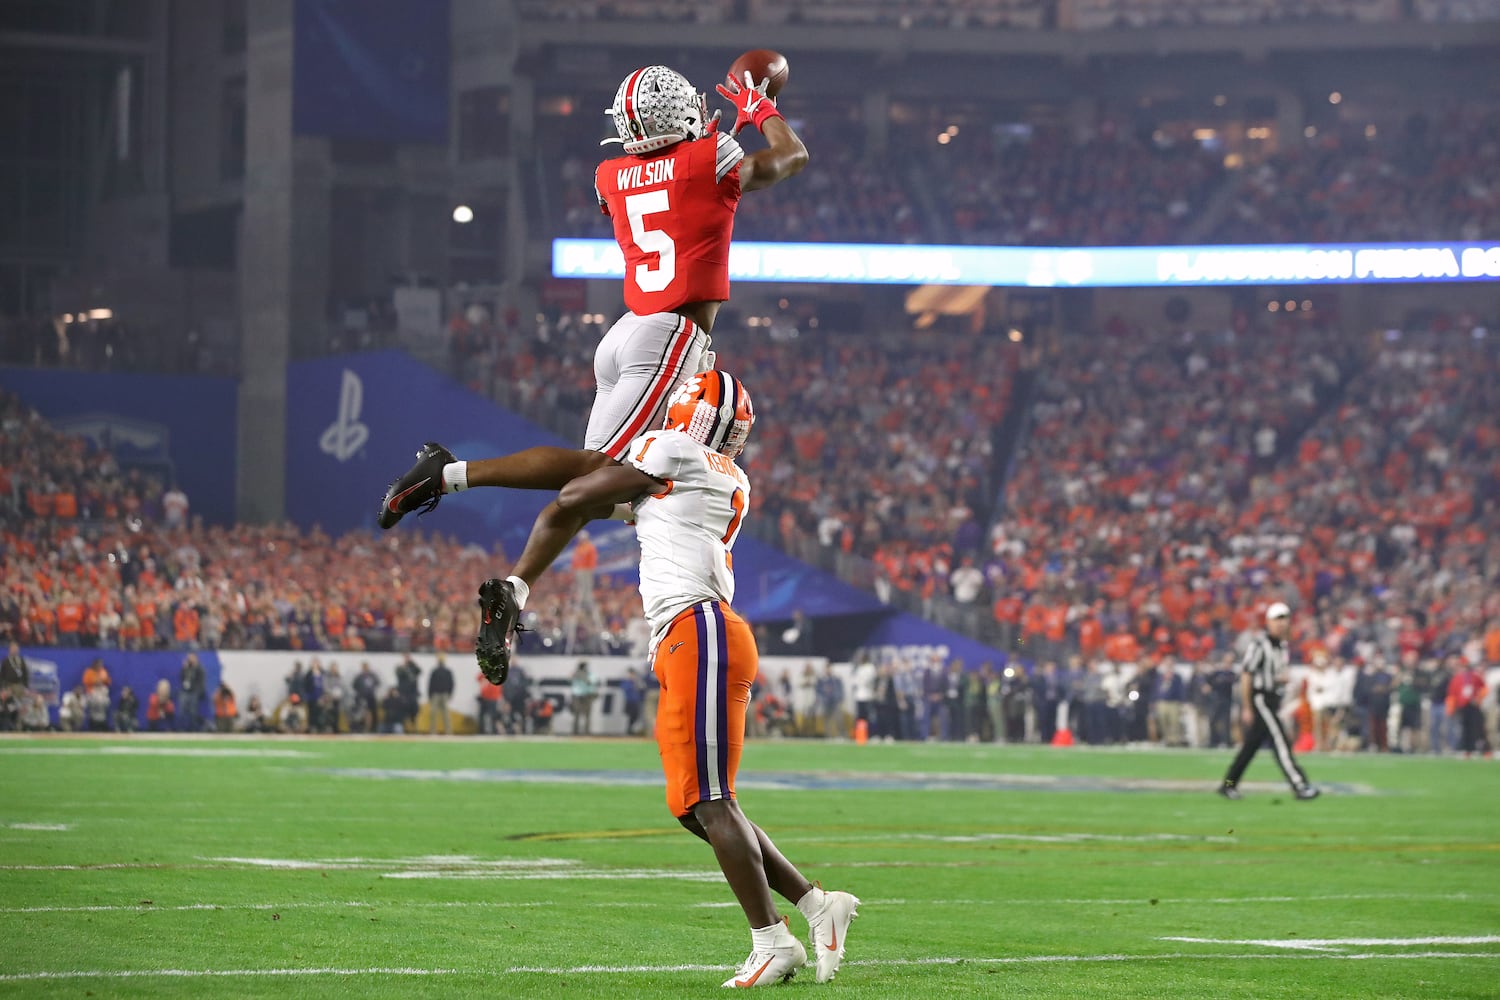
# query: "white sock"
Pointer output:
{"type": "Point", "coordinates": [767, 938]}
{"type": "Point", "coordinates": [523, 591]}
{"type": "Point", "coordinates": [811, 902]}
{"type": "Point", "coordinates": [455, 477]}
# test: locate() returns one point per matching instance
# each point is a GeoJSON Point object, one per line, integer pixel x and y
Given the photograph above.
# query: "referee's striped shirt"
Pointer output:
{"type": "Point", "coordinates": [1265, 660]}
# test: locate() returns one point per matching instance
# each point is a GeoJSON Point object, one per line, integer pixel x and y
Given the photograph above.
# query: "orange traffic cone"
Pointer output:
{"type": "Point", "coordinates": [861, 732]}
{"type": "Point", "coordinates": [1063, 735]}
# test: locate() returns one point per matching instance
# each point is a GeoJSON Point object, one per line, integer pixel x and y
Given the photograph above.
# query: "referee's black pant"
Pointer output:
{"type": "Point", "coordinates": [1266, 724]}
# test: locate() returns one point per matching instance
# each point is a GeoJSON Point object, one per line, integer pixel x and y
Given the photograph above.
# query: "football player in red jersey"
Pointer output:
{"type": "Point", "coordinates": [672, 198]}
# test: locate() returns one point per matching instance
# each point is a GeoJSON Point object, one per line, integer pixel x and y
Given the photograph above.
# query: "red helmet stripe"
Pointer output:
{"type": "Point", "coordinates": [630, 88]}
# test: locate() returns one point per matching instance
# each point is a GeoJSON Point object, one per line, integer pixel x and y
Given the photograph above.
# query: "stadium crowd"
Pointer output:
{"type": "Point", "coordinates": [1042, 187]}
{"type": "Point", "coordinates": [1014, 14]}
{"type": "Point", "coordinates": [94, 556]}
{"type": "Point", "coordinates": [1434, 177]}
{"type": "Point", "coordinates": [875, 445]}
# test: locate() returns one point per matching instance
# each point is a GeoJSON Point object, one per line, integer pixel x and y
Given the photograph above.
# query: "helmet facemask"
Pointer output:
{"type": "Point", "coordinates": [714, 409]}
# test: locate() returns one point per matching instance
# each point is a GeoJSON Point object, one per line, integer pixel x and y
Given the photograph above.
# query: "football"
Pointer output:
{"type": "Point", "coordinates": [761, 64]}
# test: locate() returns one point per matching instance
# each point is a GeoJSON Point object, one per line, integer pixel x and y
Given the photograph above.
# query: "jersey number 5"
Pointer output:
{"type": "Point", "coordinates": [637, 207]}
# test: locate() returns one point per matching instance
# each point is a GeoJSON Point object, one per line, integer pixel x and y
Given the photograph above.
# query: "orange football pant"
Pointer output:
{"type": "Point", "coordinates": [705, 664]}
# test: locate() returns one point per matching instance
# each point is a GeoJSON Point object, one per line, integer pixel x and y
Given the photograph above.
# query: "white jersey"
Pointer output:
{"type": "Point", "coordinates": [687, 529]}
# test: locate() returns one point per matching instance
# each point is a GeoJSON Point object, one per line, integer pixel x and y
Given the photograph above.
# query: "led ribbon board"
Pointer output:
{"type": "Point", "coordinates": [1071, 267]}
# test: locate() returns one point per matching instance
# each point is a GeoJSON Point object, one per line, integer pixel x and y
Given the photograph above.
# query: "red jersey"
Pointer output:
{"type": "Point", "coordinates": [673, 213]}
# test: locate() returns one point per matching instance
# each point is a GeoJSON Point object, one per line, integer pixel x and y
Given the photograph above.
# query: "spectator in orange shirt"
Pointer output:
{"type": "Point", "coordinates": [94, 675]}
{"type": "Point", "coordinates": [1090, 636]}
{"type": "Point", "coordinates": [584, 563]}
{"type": "Point", "coordinates": [1007, 618]}
{"type": "Point", "coordinates": [1492, 643]}
{"type": "Point", "coordinates": [225, 709]}
{"type": "Point", "coordinates": [70, 614]}
{"type": "Point", "coordinates": [159, 708]}
{"type": "Point", "coordinates": [185, 626]}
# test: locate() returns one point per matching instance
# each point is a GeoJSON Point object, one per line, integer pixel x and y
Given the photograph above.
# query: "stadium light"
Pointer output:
{"type": "Point", "coordinates": [463, 214]}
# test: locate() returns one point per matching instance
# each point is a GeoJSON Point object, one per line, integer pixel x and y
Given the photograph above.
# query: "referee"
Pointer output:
{"type": "Point", "coordinates": [1263, 673]}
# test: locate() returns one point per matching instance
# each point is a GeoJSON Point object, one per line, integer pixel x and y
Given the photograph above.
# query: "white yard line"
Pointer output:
{"type": "Point", "coordinates": [14, 977]}
{"type": "Point", "coordinates": [156, 751]}
{"type": "Point", "coordinates": [330, 905]}
{"type": "Point", "coordinates": [636, 969]}
{"type": "Point", "coordinates": [1300, 944]}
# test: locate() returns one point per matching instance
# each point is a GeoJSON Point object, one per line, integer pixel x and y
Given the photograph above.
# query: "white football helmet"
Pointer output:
{"type": "Point", "coordinates": [655, 107]}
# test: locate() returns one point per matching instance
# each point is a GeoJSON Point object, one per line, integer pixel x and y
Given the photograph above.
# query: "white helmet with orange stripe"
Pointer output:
{"type": "Point", "coordinates": [713, 409]}
{"type": "Point", "coordinates": [655, 107]}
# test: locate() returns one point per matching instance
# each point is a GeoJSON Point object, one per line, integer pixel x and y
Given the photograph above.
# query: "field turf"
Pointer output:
{"type": "Point", "coordinates": [169, 867]}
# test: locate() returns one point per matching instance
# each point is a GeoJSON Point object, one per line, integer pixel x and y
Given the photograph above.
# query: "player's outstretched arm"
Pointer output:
{"type": "Point", "coordinates": [602, 489]}
{"type": "Point", "coordinates": [587, 498]}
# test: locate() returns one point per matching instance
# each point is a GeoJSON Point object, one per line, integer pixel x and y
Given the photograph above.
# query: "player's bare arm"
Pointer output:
{"type": "Point", "coordinates": [588, 498]}
{"type": "Point", "coordinates": [602, 489]}
{"type": "Point", "coordinates": [785, 156]}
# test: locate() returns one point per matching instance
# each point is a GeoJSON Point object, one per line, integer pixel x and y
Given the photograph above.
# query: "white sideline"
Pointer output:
{"type": "Point", "coordinates": [628, 969]}
{"type": "Point", "coordinates": [730, 904]}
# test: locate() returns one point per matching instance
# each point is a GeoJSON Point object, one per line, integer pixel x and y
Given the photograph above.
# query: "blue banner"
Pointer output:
{"type": "Point", "coordinates": [61, 670]}
{"type": "Point", "coordinates": [180, 427]}
{"type": "Point", "coordinates": [354, 423]}
{"type": "Point", "coordinates": [909, 635]}
{"type": "Point", "coordinates": [1070, 267]}
{"type": "Point", "coordinates": [372, 69]}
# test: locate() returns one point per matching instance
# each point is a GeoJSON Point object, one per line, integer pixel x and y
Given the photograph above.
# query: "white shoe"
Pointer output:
{"type": "Point", "coordinates": [767, 968]}
{"type": "Point", "coordinates": [828, 930]}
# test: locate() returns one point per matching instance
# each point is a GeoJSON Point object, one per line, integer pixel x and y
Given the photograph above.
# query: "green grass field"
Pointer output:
{"type": "Point", "coordinates": [391, 868]}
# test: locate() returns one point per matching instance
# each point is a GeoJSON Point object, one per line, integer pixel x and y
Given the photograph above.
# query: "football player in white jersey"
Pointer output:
{"type": "Point", "coordinates": [690, 499]}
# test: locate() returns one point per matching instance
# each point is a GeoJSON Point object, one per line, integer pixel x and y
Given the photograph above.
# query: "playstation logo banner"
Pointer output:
{"type": "Point", "coordinates": [346, 435]}
{"type": "Point", "coordinates": [353, 424]}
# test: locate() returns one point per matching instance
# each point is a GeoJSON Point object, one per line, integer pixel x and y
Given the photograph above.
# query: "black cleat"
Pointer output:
{"type": "Point", "coordinates": [499, 622]}
{"type": "Point", "coordinates": [420, 489]}
{"type": "Point", "coordinates": [1307, 792]}
{"type": "Point", "coordinates": [1230, 792]}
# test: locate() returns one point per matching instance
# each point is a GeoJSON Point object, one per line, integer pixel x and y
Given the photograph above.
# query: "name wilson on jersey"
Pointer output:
{"type": "Point", "coordinates": [645, 174]}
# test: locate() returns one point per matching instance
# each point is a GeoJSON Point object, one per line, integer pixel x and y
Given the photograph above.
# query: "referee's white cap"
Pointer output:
{"type": "Point", "coordinates": [1278, 610]}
